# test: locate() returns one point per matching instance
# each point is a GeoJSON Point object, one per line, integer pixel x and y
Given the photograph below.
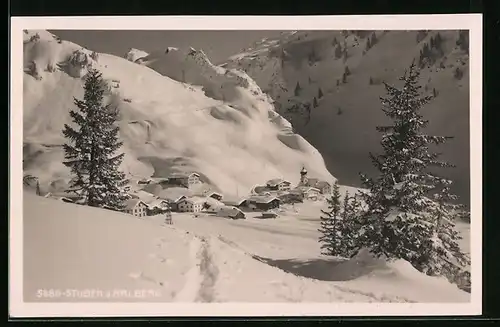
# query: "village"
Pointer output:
{"type": "Point", "coordinates": [188, 193]}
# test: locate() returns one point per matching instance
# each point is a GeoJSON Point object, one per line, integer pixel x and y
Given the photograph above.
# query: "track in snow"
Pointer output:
{"type": "Point", "coordinates": [202, 277]}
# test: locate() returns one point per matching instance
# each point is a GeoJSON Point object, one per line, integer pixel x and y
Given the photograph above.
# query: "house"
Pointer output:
{"type": "Point", "coordinates": [238, 203]}
{"type": "Point", "coordinates": [136, 207]}
{"type": "Point", "coordinates": [212, 205]}
{"type": "Point", "coordinates": [215, 195]}
{"type": "Point", "coordinates": [260, 189]}
{"type": "Point", "coordinates": [310, 193]}
{"type": "Point", "coordinates": [293, 196]}
{"type": "Point", "coordinates": [231, 212]}
{"type": "Point", "coordinates": [173, 200]}
{"type": "Point", "coordinates": [184, 179]}
{"type": "Point", "coordinates": [158, 207]}
{"type": "Point", "coordinates": [278, 184]}
{"type": "Point", "coordinates": [266, 215]}
{"type": "Point", "coordinates": [263, 202]}
{"type": "Point", "coordinates": [194, 204]}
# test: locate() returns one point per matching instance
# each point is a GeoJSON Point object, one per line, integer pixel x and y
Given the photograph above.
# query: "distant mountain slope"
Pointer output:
{"type": "Point", "coordinates": [223, 127]}
{"type": "Point", "coordinates": [301, 66]}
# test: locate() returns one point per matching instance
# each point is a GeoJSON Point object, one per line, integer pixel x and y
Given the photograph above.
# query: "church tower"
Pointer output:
{"type": "Point", "coordinates": [303, 177]}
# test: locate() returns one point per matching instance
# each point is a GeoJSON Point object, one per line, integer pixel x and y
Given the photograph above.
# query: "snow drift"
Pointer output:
{"type": "Point", "coordinates": [178, 112]}
{"type": "Point", "coordinates": [205, 259]}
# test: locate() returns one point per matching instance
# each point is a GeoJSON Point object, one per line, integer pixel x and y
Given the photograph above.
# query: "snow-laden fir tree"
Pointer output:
{"type": "Point", "coordinates": [329, 239]}
{"type": "Point", "coordinates": [90, 151]}
{"type": "Point", "coordinates": [400, 221]}
{"type": "Point", "coordinates": [338, 225]}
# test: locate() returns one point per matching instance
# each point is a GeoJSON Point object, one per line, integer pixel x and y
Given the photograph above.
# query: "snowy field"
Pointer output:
{"type": "Point", "coordinates": [204, 259]}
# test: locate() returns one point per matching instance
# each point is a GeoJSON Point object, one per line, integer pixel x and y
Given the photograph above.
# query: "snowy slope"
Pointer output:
{"type": "Point", "coordinates": [222, 126]}
{"type": "Point", "coordinates": [205, 259]}
{"type": "Point", "coordinates": [308, 58]}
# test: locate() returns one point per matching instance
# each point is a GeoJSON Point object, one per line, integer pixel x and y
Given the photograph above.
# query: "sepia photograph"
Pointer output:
{"type": "Point", "coordinates": [247, 167]}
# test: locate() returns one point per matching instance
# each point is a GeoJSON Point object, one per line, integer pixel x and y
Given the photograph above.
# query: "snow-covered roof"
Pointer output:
{"type": "Point", "coordinates": [234, 202]}
{"type": "Point", "coordinates": [132, 203]}
{"type": "Point", "coordinates": [194, 200]}
{"type": "Point", "coordinates": [276, 182]}
{"type": "Point", "coordinates": [317, 183]}
{"type": "Point", "coordinates": [306, 189]}
{"type": "Point", "coordinates": [262, 199]}
{"type": "Point", "coordinates": [182, 175]}
{"type": "Point", "coordinates": [158, 203]}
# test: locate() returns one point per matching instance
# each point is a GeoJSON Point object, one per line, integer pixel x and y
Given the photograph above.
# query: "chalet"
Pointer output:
{"type": "Point", "coordinates": [144, 181]}
{"type": "Point", "coordinates": [238, 203]}
{"type": "Point", "coordinates": [293, 196]}
{"type": "Point", "coordinates": [263, 202]}
{"type": "Point", "coordinates": [184, 179]}
{"type": "Point", "coordinates": [158, 207]}
{"type": "Point", "coordinates": [194, 204]}
{"type": "Point", "coordinates": [174, 202]}
{"type": "Point", "coordinates": [136, 207]}
{"type": "Point", "coordinates": [212, 205]}
{"type": "Point", "coordinates": [260, 189]}
{"type": "Point", "coordinates": [266, 215]}
{"type": "Point", "coordinates": [310, 193]}
{"type": "Point", "coordinates": [278, 184]}
{"type": "Point", "coordinates": [230, 212]}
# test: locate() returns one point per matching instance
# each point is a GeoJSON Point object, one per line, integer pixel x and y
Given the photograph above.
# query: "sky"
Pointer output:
{"type": "Point", "coordinates": [218, 45]}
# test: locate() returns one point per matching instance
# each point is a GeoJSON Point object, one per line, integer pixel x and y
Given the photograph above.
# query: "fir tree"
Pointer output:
{"type": "Point", "coordinates": [90, 150]}
{"type": "Point", "coordinates": [329, 224]}
{"type": "Point", "coordinates": [434, 92]}
{"type": "Point", "coordinates": [347, 71]}
{"type": "Point", "coordinates": [398, 222]}
{"type": "Point", "coordinates": [320, 93]}
{"type": "Point", "coordinates": [368, 44]}
{"type": "Point", "coordinates": [297, 90]}
{"type": "Point", "coordinates": [315, 102]}
{"type": "Point", "coordinates": [344, 78]}
{"type": "Point", "coordinates": [38, 192]}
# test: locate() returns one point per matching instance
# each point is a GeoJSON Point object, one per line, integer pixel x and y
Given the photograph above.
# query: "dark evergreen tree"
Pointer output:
{"type": "Point", "coordinates": [368, 44]}
{"type": "Point", "coordinates": [434, 92]}
{"type": "Point", "coordinates": [344, 78]}
{"type": "Point", "coordinates": [398, 222]}
{"type": "Point", "coordinates": [329, 225]}
{"type": "Point", "coordinates": [297, 90]}
{"type": "Point", "coordinates": [371, 81]}
{"type": "Point", "coordinates": [38, 192]}
{"type": "Point", "coordinates": [315, 102]}
{"type": "Point", "coordinates": [320, 93]}
{"type": "Point", "coordinates": [90, 150]}
{"type": "Point", "coordinates": [347, 71]}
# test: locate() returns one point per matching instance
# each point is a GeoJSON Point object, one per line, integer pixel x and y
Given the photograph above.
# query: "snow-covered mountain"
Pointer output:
{"type": "Point", "coordinates": [303, 72]}
{"type": "Point", "coordinates": [178, 112]}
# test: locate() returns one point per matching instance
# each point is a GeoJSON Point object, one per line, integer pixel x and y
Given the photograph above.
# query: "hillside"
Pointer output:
{"type": "Point", "coordinates": [210, 120]}
{"type": "Point", "coordinates": [73, 248]}
{"type": "Point", "coordinates": [298, 67]}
